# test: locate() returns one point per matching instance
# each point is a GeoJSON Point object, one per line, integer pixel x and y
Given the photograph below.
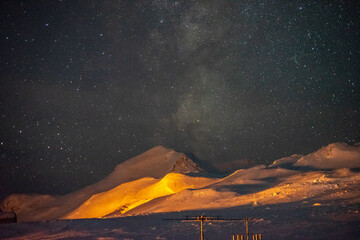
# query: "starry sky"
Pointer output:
{"type": "Point", "coordinates": [86, 85]}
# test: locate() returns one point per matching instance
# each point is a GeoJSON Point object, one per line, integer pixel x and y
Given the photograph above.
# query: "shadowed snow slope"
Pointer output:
{"type": "Point", "coordinates": [286, 161]}
{"type": "Point", "coordinates": [333, 156]}
{"type": "Point", "coordinates": [159, 181]}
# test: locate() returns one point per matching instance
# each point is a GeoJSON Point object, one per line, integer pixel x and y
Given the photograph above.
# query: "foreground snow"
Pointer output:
{"type": "Point", "coordinates": [296, 221]}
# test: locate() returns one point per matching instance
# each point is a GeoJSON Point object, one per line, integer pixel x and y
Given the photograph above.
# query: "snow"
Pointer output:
{"type": "Point", "coordinates": [281, 221]}
{"type": "Point", "coordinates": [294, 188]}
{"type": "Point", "coordinates": [162, 181]}
{"type": "Point", "coordinates": [154, 163]}
{"type": "Point", "coordinates": [130, 195]}
{"type": "Point", "coordinates": [286, 161]}
{"type": "Point", "coordinates": [259, 172]}
{"type": "Point", "coordinates": [333, 156]}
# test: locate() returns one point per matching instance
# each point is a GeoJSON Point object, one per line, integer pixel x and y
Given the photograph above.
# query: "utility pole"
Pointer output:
{"type": "Point", "coordinates": [202, 229]}
{"type": "Point", "coordinates": [247, 228]}
{"type": "Point", "coordinates": [203, 219]}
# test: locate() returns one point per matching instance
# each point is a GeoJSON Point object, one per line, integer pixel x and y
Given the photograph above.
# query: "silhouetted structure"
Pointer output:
{"type": "Point", "coordinates": [8, 217]}
{"type": "Point", "coordinates": [203, 219]}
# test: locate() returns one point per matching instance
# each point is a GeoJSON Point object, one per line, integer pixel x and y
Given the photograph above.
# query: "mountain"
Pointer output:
{"type": "Point", "coordinates": [333, 156]}
{"type": "Point", "coordinates": [127, 196]}
{"type": "Point", "coordinates": [154, 163]}
{"type": "Point", "coordinates": [162, 180]}
{"type": "Point", "coordinates": [262, 186]}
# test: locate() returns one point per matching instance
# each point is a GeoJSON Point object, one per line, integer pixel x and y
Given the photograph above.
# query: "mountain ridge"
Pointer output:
{"type": "Point", "coordinates": [163, 180]}
{"type": "Point", "coordinates": [154, 163]}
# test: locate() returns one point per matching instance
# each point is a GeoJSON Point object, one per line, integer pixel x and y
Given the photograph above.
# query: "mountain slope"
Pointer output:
{"type": "Point", "coordinates": [312, 188]}
{"type": "Point", "coordinates": [132, 194]}
{"type": "Point", "coordinates": [162, 180]}
{"type": "Point", "coordinates": [154, 163]}
{"type": "Point", "coordinates": [333, 156]}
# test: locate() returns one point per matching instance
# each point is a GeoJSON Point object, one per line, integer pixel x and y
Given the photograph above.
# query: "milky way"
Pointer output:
{"type": "Point", "coordinates": [87, 86]}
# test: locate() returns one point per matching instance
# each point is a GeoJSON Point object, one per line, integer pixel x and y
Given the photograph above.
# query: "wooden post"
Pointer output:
{"type": "Point", "coordinates": [233, 236]}
{"type": "Point", "coordinates": [259, 236]}
{"type": "Point", "coordinates": [242, 237]}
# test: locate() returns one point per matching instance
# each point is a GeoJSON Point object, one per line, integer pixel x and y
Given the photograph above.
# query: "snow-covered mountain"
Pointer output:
{"type": "Point", "coordinates": [333, 156]}
{"type": "Point", "coordinates": [154, 163]}
{"type": "Point", "coordinates": [162, 180]}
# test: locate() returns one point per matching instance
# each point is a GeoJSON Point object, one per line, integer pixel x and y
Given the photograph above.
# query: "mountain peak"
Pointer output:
{"type": "Point", "coordinates": [156, 163]}
{"type": "Point", "coordinates": [185, 164]}
{"type": "Point", "coordinates": [160, 156]}
{"type": "Point", "coordinates": [333, 156]}
{"type": "Point", "coordinates": [158, 148]}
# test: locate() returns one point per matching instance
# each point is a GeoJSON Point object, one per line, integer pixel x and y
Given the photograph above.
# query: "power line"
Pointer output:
{"type": "Point", "coordinates": [204, 218]}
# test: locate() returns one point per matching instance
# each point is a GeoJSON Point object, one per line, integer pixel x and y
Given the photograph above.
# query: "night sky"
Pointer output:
{"type": "Point", "coordinates": [87, 85]}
